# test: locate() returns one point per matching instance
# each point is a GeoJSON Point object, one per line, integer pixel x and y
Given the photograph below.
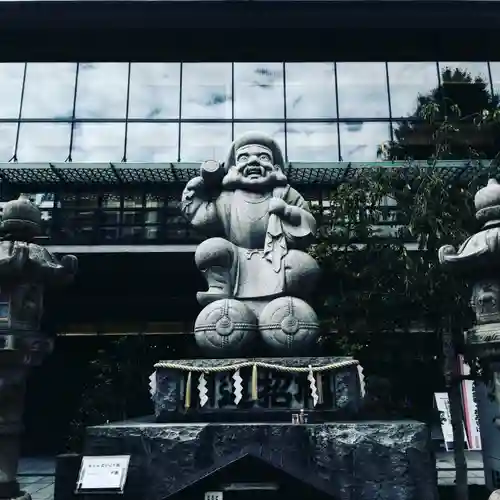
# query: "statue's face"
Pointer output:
{"type": "Point", "coordinates": [254, 162]}
{"type": "Point", "coordinates": [254, 169]}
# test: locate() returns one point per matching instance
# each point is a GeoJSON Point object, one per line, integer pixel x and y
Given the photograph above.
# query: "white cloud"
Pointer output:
{"type": "Point", "coordinates": [407, 81]}
{"type": "Point", "coordinates": [99, 142]}
{"type": "Point", "coordinates": [310, 90]}
{"type": "Point", "coordinates": [102, 90]}
{"type": "Point", "coordinates": [360, 141]}
{"type": "Point", "coordinates": [362, 89]}
{"type": "Point", "coordinates": [206, 90]}
{"type": "Point", "coordinates": [11, 86]}
{"type": "Point", "coordinates": [43, 142]}
{"type": "Point", "coordinates": [8, 133]}
{"type": "Point", "coordinates": [205, 141]}
{"type": "Point", "coordinates": [49, 90]}
{"type": "Point", "coordinates": [309, 142]}
{"type": "Point", "coordinates": [258, 91]}
{"type": "Point", "coordinates": [154, 90]}
{"type": "Point", "coordinates": [152, 142]}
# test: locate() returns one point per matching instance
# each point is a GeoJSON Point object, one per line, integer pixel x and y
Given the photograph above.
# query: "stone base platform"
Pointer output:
{"type": "Point", "coordinates": [270, 389]}
{"type": "Point", "coordinates": [342, 460]}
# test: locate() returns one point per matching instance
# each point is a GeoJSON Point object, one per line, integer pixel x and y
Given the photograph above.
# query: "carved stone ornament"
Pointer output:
{"type": "Point", "coordinates": [26, 268]}
{"type": "Point", "coordinates": [486, 301]}
{"type": "Point", "coordinates": [478, 258]}
{"type": "Point", "coordinates": [483, 248]}
{"type": "Point", "coordinates": [258, 227]}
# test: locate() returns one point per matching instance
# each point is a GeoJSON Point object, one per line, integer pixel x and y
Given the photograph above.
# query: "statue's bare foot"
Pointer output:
{"type": "Point", "coordinates": [205, 298]}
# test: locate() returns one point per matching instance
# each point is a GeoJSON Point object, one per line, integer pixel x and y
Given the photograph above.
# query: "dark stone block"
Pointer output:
{"type": "Point", "coordinates": [346, 461]}
{"type": "Point", "coordinates": [279, 392]}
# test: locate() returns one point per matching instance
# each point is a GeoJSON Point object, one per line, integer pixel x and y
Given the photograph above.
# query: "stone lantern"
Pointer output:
{"type": "Point", "coordinates": [26, 268]}
{"type": "Point", "coordinates": [478, 260]}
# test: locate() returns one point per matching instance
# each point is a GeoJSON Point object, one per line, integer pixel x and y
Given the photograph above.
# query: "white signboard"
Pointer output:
{"type": "Point", "coordinates": [103, 473]}
{"type": "Point", "coordinates": [213, 495]}
{"type": "Point", "coordinates": [443, 407]}
{"type": "Point", "coordinates": [470, 408]}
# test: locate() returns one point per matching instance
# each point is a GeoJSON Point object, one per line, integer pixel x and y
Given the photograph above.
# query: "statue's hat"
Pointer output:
{"type": "Point", "coordinates": [260, 138]}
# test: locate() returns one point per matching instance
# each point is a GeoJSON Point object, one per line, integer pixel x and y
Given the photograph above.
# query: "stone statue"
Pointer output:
{"type": "Point", "coordinates": [258, 227]}
{"type": "Point", "coordinates": [26, 268]}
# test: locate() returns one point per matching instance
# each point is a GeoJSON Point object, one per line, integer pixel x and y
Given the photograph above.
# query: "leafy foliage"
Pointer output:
{"type": "Point", "coordinates": [117, 388]}
{"type": "Point", "coordinates": [445, 122]}
{"type": "Point", "coordinates": [384, 293]}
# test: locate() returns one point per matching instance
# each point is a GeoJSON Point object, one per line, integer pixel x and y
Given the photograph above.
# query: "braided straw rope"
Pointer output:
{"type": "Point", "coordinates": [259, 364]}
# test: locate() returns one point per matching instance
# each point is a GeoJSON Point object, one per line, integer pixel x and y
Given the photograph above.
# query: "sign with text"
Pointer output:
{"type": "Point", "coordinates": [470, 408]}
{"type": "Point", "coordinates": [103, 474]}
{"type": "Point", "coordinates": [443, 407]}
{"type": "Point", "coordinates": [214, 495]}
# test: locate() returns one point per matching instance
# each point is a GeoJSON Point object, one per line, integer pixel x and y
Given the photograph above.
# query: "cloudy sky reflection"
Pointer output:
{"type": "Point", "coordinates": [160, 112]}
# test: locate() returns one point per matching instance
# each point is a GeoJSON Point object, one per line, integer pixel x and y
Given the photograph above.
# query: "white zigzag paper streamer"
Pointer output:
{"type": "Point", "coordinates": [152, 384]}
{"type": "Point", "coordinates": [312, 386]}
{"type": "Point", "coordinates": [202, 390]}
{"type": "Point", "coordinates": [237, 387]}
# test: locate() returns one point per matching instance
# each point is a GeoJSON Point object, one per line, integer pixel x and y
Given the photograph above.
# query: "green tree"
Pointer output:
{"type": "Point", "coordinates": [459, 101]}
{"type": "Point", "coordinates": [379, 295]}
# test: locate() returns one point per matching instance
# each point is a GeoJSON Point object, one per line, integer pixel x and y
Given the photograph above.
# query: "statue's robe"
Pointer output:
{"type": "Point", "coordinates": [261, 240]}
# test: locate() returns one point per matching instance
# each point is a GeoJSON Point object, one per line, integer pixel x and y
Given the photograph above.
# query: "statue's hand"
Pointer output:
{"type": "Point", "coordinates": [277, 206]}
{"type": "Point", "coordinates": [194, 188]}
{"type": "Point", "coordinates": [196, 184]}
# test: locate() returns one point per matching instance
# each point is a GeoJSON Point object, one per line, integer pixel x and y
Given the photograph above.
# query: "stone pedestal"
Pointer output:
{"type": "Point", "coordinates": [205, 440]}
{"type": "Point", "coordinates": [339, 460]}
{"type": "Point", "coordinates": [279, 395]}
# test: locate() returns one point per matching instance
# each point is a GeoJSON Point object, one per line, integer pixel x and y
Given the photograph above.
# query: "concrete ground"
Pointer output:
{"type": "Point", "coordinates": [36, 475]}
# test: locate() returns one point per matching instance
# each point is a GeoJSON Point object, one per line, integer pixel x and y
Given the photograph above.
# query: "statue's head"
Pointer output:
{"type": "Point", "coordinates": [255, 163]}
{"type": "Point", "coordinates": [21, 219]}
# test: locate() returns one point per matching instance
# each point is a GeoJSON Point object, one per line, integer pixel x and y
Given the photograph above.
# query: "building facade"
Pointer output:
{"type": "Point", "coordinates": [107, 108]}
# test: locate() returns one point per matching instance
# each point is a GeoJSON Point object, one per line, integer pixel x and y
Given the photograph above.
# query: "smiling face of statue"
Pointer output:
{"type": "Point", "coordinates": [254, 170]}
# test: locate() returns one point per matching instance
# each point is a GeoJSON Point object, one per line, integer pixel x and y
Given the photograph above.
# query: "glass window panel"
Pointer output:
{"type": "Point", "coordinates": [495, 76]}
{"type": "Point", "coordinates": [205, 141]}
{"type": "Point", "coordinates": [310, 90]}
{"type": "Point", "coordinates": [49, 90]}
{"type": "Point", "coordinates": [275, 130]}
{"type": "Point", "coordinates": [43, 142]}
{"type": "Point", "coordinates": [258, 91]}
{"type": "Point", "coordinates": [133, 201]}
{"type": "Point", "coordinates": [154, 90]}
{"type": "Point", "coordinates": [362, 89]}
{"type": "Point", "coordinates": [312, 142]}
{"type": "Point", "coordinates": [206, 90]}
{"type": "Point", "coordinates": [413, 140]}
{"type": "Point", "coordinates": [98, 142]}
{"type": "Point", "coordinates": [407, 81]}
{"type": "Point", "coordinates": [8, 132]}
{"type": "Point", "coordinates": [359, 141]}
{"type": "Point", "coordinates": [11, 86]}
{"type": "Point", "coordinates": [466, 85]}
{"type": "Point", "coordinates": [472, 69]}
{"type": "Point", "coordinates": [102, 90]}
{"type": "Point", "coordinates": [150, 142]}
